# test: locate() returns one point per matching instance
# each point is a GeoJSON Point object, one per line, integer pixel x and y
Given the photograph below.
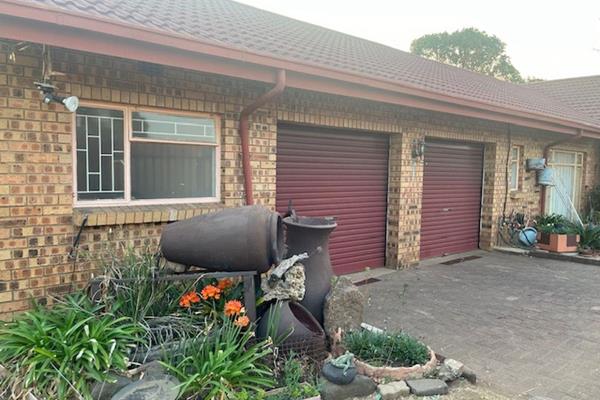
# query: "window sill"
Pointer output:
{"type": "Point", "coordinates": [125, 215]}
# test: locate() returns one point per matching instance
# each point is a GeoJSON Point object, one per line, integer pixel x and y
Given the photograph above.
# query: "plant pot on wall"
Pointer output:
{"type": "Point", "coordinates": [557, 242]}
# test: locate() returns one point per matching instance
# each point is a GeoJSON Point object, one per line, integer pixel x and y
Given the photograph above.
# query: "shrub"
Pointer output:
{"type": "Point", "coordinates": [589, 236]}
{"type": "Point", "coordinates": [383, 349]}
{"type": "Point", "coordinates": [554, 223]}
{"type": "Point", "coordinates": [221, 364]}
{"type": "Point", "coordinates": [59, 351]}
{"type": "Point", "coordinates": [298, 379]}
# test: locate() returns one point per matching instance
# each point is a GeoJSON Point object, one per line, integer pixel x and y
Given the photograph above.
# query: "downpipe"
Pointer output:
{"type": "Point", "coordinates": [245, 134]}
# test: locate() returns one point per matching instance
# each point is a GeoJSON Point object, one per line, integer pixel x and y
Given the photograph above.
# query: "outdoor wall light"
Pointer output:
{"type": "Point", "coordinates": [418, 148]}
{"type": "Point", "coordinates": [71, 103]}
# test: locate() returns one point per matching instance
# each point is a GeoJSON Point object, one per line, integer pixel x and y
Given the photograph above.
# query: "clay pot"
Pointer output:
{"type": "Point", "coordinates": [235, 239]}
{"type": "Point", "coordinates": [311, 235]}
{"type": "Point", "coordinates": [293, 320]}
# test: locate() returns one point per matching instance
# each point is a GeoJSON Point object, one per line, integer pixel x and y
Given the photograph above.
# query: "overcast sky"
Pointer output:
{"type": "Point", "coordinates": [547, 39]}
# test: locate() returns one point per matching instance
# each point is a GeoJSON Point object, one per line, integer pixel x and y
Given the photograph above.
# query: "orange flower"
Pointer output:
{"type": "Point", "coordinates": [211, 292]}
{"type": "Point", "coordinates": [233, 307]}
{"type": "Point", "coordinates": [225, 283]}
{"type": "Point", "coordinates": [242, 321]}
{"type": "Point", "coordinates": [189, 298]}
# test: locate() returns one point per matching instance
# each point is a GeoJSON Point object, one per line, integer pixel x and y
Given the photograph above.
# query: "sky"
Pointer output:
{"type": "Point", "coordinates": [545, 39]}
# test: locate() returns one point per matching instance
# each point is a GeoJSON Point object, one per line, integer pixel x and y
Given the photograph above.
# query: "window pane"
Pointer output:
{"type": "Point", "coordinates": [514, 154]}
{"type": "Point", "coordinates": [514, 175]}
{"type": "Point", "coordinates": [170, 171]}
{"type": "Point", "coordinates": [99, 144]}
{"type": "Point", "coordinates": [177, 128]}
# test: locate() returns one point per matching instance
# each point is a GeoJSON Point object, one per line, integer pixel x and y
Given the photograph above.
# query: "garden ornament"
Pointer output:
{"type": "Point", "coordinates": [344, 361]}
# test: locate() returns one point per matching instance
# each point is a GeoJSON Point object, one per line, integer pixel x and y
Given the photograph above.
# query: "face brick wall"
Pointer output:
{"type": "Point", "coordinates": [37, 218]}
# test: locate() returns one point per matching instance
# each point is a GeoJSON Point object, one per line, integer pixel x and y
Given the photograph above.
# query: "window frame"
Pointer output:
{"type": "Point", "coordinates": [518, 169]}
{"type": "Point", "coordinates": [128, 138]}
{"type": "Point", "coordinates": [578, 185]}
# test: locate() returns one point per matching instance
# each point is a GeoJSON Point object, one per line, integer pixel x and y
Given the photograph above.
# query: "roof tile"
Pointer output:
{"type": "Point", "coordinates": [227, 22]}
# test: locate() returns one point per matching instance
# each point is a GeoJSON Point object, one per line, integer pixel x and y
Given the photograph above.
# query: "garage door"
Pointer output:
{"type": "Point", "coordinates": [451, 205]}
{"type": "Point", "coordinates": [341, 174]}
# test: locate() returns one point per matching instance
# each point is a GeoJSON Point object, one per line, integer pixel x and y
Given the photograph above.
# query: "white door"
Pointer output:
{"type": "Point", "coordinates": [568, 167]}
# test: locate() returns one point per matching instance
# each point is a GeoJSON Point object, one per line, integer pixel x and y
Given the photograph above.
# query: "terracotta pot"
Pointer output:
{"type": "Point", "coordinates": [292, 318]}
{"type": "Point", "coordinates": [557, 243]}
{"type": "Point", "coordinates": [235, 239]}
{"type": "Point", "coordinates": [311, 235]}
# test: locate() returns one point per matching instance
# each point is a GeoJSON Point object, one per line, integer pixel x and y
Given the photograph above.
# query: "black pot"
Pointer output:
{"type": "Point", "coordinates": [293, 321]}
{"type": "Point", "coordinates": [235, 239]}
{"type": "Point", "coordinates": [311, 235]}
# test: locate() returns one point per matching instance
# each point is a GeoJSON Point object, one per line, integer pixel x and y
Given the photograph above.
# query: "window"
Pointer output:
{"type": "Point", "coordinates": [566, 192]}
{"type": "Point", "coordinates": [125, 155]}
{"type": "Point", "coordinates": [515, 163]}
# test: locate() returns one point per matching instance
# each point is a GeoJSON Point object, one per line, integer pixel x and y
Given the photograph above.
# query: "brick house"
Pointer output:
{"type": "Point", "coordinates": [415, 158]}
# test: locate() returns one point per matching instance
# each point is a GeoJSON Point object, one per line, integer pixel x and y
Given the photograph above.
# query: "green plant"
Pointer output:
{"type": "Point", "coordinates": [589, 235]}
{"type": "Point", "coordinates": [386, 349]}
{"type": "Point", "coordinates": [58, 351]}
{"type": "Point", "coordinates": [298, 380]}
{"type": "Point", "coordinates": [221, 364]}
{"type": "Point", "coordinates": [554, 223]}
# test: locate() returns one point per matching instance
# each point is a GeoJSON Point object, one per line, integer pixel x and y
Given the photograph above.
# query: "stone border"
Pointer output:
{"type": "Point", "coordinates": [397, 373]}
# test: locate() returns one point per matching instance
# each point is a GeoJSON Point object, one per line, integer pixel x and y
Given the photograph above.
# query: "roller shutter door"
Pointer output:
{"type": "Point", "coordinates": [340, 174]}
{"type": "Point", "coordinates": [451, 205]}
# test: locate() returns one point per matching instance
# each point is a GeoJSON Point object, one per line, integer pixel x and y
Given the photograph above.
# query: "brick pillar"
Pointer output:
{"type": "Point", "coordinates": [404, 203]}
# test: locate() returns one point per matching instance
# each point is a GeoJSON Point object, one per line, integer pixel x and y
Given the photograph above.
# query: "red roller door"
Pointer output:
{"type": "Point", "coordinates": [451, 206]}
{"type": "Point", "coordinates": [340, 174]}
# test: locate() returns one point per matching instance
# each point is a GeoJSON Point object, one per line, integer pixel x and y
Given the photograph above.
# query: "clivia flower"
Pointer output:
{"type": "Point", "coordinates": [233, 307]}
{"type": "Point", "coordinates": [210, 292]}
{"type": "Point", "coordinates": [225, 283]}
{"type": "Point", "coordinates": [189, 298]}
{"type": "Point", "coordinates": [242, 321]}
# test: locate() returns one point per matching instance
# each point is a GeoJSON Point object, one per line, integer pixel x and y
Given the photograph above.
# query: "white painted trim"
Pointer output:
{"type": "Point", "coordinates": [127, 139]}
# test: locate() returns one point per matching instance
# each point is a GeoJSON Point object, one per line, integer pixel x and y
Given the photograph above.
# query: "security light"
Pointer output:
{"type": "Point", "coordinates": [71, 103]}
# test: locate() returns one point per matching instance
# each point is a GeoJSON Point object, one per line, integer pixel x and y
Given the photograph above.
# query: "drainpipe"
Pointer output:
{"type": "Point", "coordinates": [245, 135]}
{"type": "Point", "coordinates": [546, 156]}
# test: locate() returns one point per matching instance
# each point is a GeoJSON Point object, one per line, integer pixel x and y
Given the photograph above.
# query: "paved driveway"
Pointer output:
{"type": "Point", "coordinates": [527, 326]}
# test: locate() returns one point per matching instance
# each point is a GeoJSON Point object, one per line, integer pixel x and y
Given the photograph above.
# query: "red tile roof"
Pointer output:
{"type": "Point", "coordinates": [582, 94]}
{"type": "Point", "coordinates": [235, 25]}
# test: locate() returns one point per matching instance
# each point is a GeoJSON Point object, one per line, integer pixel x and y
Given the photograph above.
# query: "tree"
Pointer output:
{"type": "Point", "coordinates": [471, 49]}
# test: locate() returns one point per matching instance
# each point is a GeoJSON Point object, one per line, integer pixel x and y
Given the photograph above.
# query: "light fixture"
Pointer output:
{"type": "Point", "coordinates": [71, 103]}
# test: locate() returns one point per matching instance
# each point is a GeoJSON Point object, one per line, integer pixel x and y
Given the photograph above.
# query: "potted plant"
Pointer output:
{"type": "Point", "coordinates": [556, 234]}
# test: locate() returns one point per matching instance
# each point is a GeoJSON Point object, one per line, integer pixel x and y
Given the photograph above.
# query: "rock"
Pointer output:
{"type": "Point", "coordinates": [106, 390]}
{"type": "Point", "coordinates": [427, 387]}
{"type": "Point", "coordinates": [361, 386]}
{"type": "Point", "coordinates": [393, 390]}
{"type": "Point", "coordinates": [337, 375]}
{"type": "Point", "coordinates": [174, 268]}
{"type": "Point", "coordinates": [456, 367]}
{"type": "Point", "coordinates": [164, 388]}
{"type": "Point", "coordinates": [291, 287]}
{"type": "Point", "coordinates": [343, 307]}
{"type": "Point", "coordinates": [469, 375]}
{"type": "Point", "coordinates": [444, 373]}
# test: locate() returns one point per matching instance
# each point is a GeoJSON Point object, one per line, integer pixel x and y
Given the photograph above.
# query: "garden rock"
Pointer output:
{"type": "Point", "coordinates": [337, 375]}
{"type": "Point", "coordinates": [164, 388]}
{"type": "Point", "coordinates": [444, 373]}
{"type": "Point", "coordinates": [427, 387]}
{"type": "Point", "coordinates": [343, 307]}
{"type": "Point", "coordinates": [291, 287]}
{"type": "Point", "coordinates": [455, 367]}
{"type": "Point", "coordinates": [393, 390]}
{"type": "Point", "coordinates": [106, 390]}
{"type": "Point", "coordinates": [361, 386]}
{"type": "Point", "coordinates": [469, 375]}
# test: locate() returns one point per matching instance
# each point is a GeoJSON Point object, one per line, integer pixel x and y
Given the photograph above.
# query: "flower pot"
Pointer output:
{"type": "Point", "coordinates": [311, 235]}
{"type": "Point", "coordinates": [236, 239]}
{"type": "Point", "coordinates": [557, 243]}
